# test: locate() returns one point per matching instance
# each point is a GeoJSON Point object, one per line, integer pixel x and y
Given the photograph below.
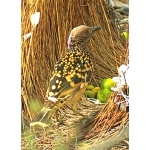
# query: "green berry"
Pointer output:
{"type": "Point", "coordinates": [103, 95]}
{"type": "Point", "coordinates": [95, 90]}
{"type": "Point", "coordinates": [90, 87]}
{"type": "Point", "coordinates": [107, 83]}
{"type": "Point", "coordinates": [125, 35]}
{"type": "Point", "coordinates": [90, 94]}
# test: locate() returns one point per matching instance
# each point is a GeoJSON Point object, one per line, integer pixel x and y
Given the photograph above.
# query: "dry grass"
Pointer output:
{"type": "Point", "coordinates": [49, 42]}
{"type": "Point", "coordinates": [62, 136]}
{"type": "Point", "coordinates": [104, 126]}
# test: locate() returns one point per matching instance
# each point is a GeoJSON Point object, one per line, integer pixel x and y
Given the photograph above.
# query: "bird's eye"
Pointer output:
{"type": "Point", "coordinates": [93, 28]}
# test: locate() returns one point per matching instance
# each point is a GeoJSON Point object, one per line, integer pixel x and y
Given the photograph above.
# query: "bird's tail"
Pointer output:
{"type": "Point", "coordinates": [44, 118]}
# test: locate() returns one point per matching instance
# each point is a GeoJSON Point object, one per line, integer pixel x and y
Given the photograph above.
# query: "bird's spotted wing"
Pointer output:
{"type": "Point", "coordinates": [70, 75]}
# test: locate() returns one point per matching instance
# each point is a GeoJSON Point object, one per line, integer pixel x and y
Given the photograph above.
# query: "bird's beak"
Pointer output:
{"type": "Point", "coordinates": [95, 28]}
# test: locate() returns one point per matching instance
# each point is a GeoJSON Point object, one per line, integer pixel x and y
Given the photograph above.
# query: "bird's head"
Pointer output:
{"type": "Point", "coordinates": [80, 35]}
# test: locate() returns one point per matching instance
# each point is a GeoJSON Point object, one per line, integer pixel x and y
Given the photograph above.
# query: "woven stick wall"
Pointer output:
{"type": "Point", "coordinates": [49, 42]}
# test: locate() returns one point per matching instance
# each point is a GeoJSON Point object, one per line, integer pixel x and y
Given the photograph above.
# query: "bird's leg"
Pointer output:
{"type": "Point", "coordinates": [62, 102]}
{"type": "Point", "coordinates": [59, 119]}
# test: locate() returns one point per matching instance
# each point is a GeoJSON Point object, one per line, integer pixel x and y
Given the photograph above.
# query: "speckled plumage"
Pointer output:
{"type": "Point", "coordinates": [70, 75]}
{"type": "Point", "coordinates": [71, 70]}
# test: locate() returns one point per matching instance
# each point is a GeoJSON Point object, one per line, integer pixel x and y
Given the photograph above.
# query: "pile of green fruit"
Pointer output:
{"type": "Point", "coordinates": [101, 92]}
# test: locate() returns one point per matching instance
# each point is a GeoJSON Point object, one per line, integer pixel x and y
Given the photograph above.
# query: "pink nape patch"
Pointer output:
{"type": "Point", "coordinates": [69, 41]}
